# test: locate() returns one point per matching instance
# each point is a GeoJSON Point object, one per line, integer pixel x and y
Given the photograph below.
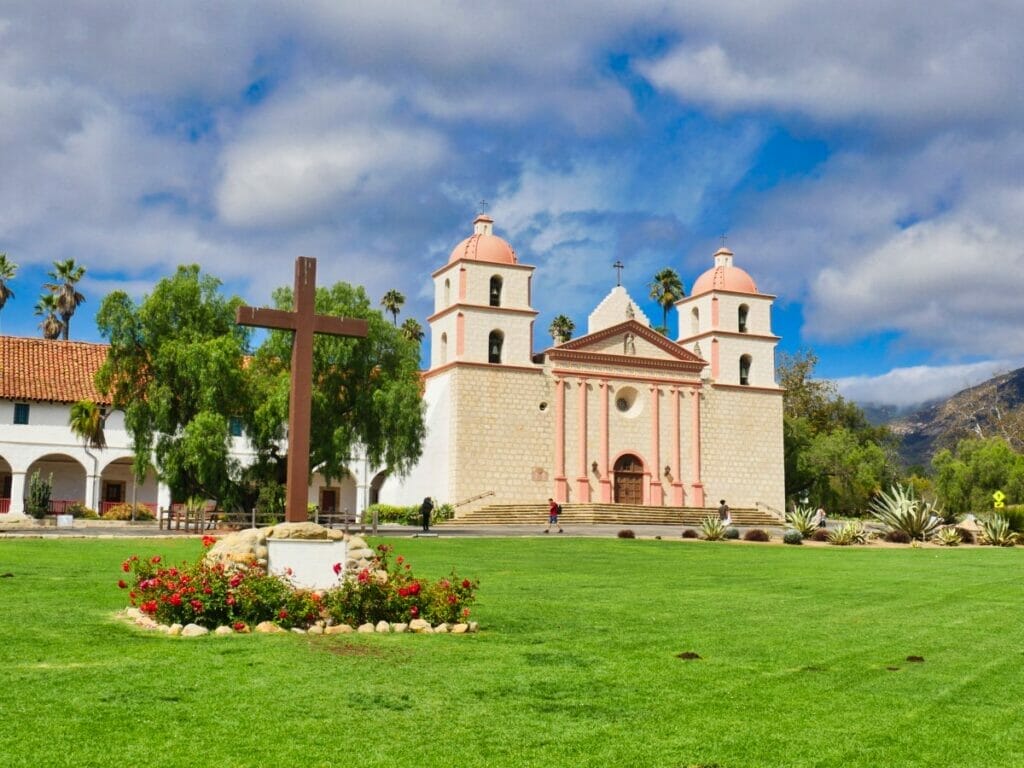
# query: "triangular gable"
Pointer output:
{"type": "Point", "coordinates": [625, 342]}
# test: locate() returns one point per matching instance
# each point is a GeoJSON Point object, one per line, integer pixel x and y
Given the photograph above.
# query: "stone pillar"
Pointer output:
{"type": "Point", "coordinates": [582, 482]}
{"type": "Point", "coordinates": [17, 492]}
{"type": "Point", "coordinates": [92, 491]}
{"type": "Point", "coordinates": [697, 484]}
{"type": "Point", "coordinates": [606, 482]}
{"type": "Point", "coordinates": [561, 484]}
{"type": "Point", "coordinates": [678, 493]}
{"type": "Point", "coordinates": [656, 496]}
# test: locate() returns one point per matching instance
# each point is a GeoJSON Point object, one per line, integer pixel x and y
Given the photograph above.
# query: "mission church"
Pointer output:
{"type": "Point", "coordinates": [619, 415]}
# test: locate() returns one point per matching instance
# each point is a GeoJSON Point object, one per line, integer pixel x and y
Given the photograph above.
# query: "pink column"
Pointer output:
{"type": "Point", "coordinates": [561, 487]}
{"type": "Point", "coordinates": [582, 483]}
{"type": "Point", "coordinates": [698, 486]}
{"type": "Point", "coordinates": [678, 493]}
{"type": "Point", "coordinates": [714, 359]}
{"type": "Point", "coordinates": [656, 497]}
{"type": "Point", "coordinates": [606, 482]}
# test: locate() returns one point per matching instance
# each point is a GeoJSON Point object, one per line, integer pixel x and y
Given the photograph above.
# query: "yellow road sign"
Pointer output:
{"type": "Point", "coordinates": [999, 496]}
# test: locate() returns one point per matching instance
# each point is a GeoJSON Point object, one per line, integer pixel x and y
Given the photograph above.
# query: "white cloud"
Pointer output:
{"type": "Point", "coordinates": [921, 383]}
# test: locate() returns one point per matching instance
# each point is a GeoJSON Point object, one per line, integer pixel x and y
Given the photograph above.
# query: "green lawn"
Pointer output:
{"type": "Point", "coordinates": [576, 663]}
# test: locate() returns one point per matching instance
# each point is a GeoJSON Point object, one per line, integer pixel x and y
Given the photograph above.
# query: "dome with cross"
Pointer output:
{"type": "Point", "coordinates": [484, 245]}
{"type": "Point", "coordinates": [724, 277]}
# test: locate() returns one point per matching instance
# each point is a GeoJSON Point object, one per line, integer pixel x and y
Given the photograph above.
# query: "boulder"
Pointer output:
{"type": "Point", "coordinates": [298, 630]}
{"type": "Point", "coordinates": [474, 626]}
{"type": "Point", "coordinates": [316, 629]}
{"type": "Point", "coordinates": [441, 629]}
{"type": "Point", "coordinates": [223, 629]}
{"type": "Point", "coordinates": [460, 629]}
{"type": "Point", "coordinates": [420, 625]}
{"type": "Point", "coordinates": [339, 629]}
{"type": "Point", "coordinates": [269, 627]}
{"type": "Point", "coordinates": [194, 630]}
{"type": "Point", "coordinates": [400, 627]}
{"type": "Point", "coordinates": [305, 530]}
{"type": "Point", "coordinates": [175, 629]}
{"type": "Point", "coordinates": [383, 626]}
{"type": "Point", "coordinates": [366, 629]}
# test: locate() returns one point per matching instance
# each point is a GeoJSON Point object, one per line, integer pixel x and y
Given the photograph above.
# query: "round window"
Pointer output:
{"type": "Point", "coordinates": [627, 402]}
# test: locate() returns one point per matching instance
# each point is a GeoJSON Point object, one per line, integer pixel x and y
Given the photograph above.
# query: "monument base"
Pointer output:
{"type": "Point", "coordinates": [307, 563]}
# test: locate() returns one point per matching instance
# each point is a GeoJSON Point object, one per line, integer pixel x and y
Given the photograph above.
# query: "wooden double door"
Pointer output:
{"type": "Point", "coordinates": [629, 480]}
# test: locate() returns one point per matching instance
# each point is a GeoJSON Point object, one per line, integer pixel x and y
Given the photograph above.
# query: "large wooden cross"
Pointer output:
{"type": "Point", "coordinates": [304, 322]}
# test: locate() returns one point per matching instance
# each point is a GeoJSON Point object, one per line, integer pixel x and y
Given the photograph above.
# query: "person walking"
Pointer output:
{"type": "Point", "coordinates": [554, 510]}
{"type": "Point", "coordinates": [820, 517]}
{"type": "Point", "coordinates": [723, 512]}
{"type": "Point", "coordinates": [425, 509]}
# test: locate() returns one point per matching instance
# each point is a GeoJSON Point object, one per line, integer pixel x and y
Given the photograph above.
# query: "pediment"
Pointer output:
{"type": "Point", "coordinates": [626, 342]}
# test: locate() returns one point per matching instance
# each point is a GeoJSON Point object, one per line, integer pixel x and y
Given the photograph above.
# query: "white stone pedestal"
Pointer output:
{"type": "Point", "coordinates": [311, 561]}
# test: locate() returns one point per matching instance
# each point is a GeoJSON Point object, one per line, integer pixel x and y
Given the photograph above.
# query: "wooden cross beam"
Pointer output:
{"type": "Point", "coordinates": [304, 322]}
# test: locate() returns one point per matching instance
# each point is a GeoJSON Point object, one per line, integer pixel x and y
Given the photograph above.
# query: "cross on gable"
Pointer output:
{"type": "Point", "coordinates": [304, 322]}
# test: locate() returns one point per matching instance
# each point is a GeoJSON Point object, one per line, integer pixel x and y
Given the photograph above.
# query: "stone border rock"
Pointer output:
{"type": "Point", "coordinates": [416, 627]}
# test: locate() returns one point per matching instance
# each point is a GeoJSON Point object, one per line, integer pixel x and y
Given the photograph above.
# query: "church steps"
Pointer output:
{"type": "Point", "coordinates": [606, 514]}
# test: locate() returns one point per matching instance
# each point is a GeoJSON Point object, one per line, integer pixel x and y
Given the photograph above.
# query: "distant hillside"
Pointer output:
{"type": "Point", "coordinates": [992, 408]}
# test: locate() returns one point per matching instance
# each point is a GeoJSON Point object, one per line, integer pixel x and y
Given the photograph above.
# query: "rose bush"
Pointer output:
{"type": "Point", "coordinates": [212, 595]}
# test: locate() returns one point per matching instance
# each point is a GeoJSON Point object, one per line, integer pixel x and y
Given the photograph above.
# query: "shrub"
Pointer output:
{"type": "Point", "coordinates": [689, 533]}
{"type": "Point", "coordinates": [78, 509]}
{"type": "Point", "coordinates": [850, 533]}
{"type": "Point", "coordinates": [900, 510]}
{"type": "Point", "coordinates": [712, 528]}
{"type": "Point", "coordinates": [124, 512]}
{"type": "Point", "coordinates": [212, 595]}
{"type": "Point", "coordinates": [39, 492]}
{"type": "Point", "coordinates": [897, 537]}
{"type": "Point", "coordinates": [626, 533]}
{"type": "Point", "coordinates": [802, 520]}
{"type": "Point", "coordinates": [966, 536]}
{"type": "Point", "coordinates": [1014, 514]}
{"type": "Point", "coordinates": [757, 534]}
{"type": "Point", "coordinates": [732, 533]}
{"type": "Point", "coordinates": [996, 532]}
{"type": "Point", "coordinates": [947, 537]}
{"type": "Point", "coordinates": [793, 537]}
{"type": "Point", "coordinates": [820, 534]}
{"type": "Point", "coordinates": [389, 513]}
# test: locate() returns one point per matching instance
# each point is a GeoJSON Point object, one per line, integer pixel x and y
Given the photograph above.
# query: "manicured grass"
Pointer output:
{"type": "Point", "coordinates": [576, 664]}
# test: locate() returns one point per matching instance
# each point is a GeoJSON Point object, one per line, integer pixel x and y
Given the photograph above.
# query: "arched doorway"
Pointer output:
{"type": "Point", "coordinates": [66, 476]}
{"type": "Point", "coordinates": [375, 486]}
{"type": "Point", "coordinates": [6, 478]}
{"type": "Point", "coordinates": [629, 480]}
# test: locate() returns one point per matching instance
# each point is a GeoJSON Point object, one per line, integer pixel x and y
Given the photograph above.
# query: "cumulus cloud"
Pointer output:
{"type": "Point", "coordinates": [921, 383]}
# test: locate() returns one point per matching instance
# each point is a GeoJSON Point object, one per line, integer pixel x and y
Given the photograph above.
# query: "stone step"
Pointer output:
{"type": "Point", "coordinates": [606, 514]}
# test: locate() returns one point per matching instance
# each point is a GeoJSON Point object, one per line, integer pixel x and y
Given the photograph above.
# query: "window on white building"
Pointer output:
{"type": "Point", "coordinates": [21, 413]}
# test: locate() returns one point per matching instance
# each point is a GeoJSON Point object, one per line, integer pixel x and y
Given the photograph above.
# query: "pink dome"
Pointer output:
{"type": "Point", "coordinates": [483, 245]}
{"type": "Point", "coordinates": [724, 277]}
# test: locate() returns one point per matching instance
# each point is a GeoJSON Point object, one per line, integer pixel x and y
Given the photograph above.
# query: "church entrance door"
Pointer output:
{"type": "Point", "coordinates": [629, 480]}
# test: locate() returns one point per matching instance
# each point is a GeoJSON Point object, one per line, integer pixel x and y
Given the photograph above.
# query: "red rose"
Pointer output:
{"type": "Point", "coordinates": [175, 599]}
{"type": "Point", "coordinates": [466, 584]}
{"type": "Point", "coordinates": [400, 560]}
{"type": "Point", "coordinates": [235, 580]}
{"type": "Point", "coordinates": [451, 599]}
{"type": "Point", "coordinates": [414, 611]}
{"type": "Point", "coordinates": [364, 575]}
{"type": "Point", "coordinates": [282, 614]}
{"type": "Point", "coordinates": [196, 606]}
{"type": "Point", "coordinates": [148, 607]}
{"type": "Point", "coordinates": [337, 568]}
{"type": "Point", "coordinates": [230, 601]}
{"type": "Point", "coordinates": [122, 584]}
{"type": "Point", "coordinates": [126, 566]}
{"type": "Point", "coordinates": [154, 559]}
{"type": "Point", "coordinates": [238, 626]}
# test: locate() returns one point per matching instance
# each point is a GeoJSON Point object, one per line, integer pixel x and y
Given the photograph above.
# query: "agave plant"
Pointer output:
{"type": "Point", "coordinates": [996, 532]}
{"type": "Point", "coordinates": [948, 536]}
{"type": "Point", "coordinates": [712, 528]}
{"type": "Point", "coordinates": [801, 519]}
{"type": "Point", "coordinates": [851, 533]}
{"type": "Point", "coordinates": [900, 510]}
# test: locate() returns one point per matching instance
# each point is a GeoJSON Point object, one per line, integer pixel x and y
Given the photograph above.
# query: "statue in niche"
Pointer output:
{"type": "Point", "coordinates": [629, 344]}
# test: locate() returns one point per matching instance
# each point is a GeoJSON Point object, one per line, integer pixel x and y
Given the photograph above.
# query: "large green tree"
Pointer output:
{"type": "Point", "coordinates": [666, 289]}
{"type": "Point", "coordinates": [175, 367]}
{"type": "Point", "coordinates": [366, 392]}
{"type": "Point", "coordinates": [833, 455]}
{"type": "Point", "coordinates": [966, 478]}
{"type": "Point", "coordinates": [66, 275]}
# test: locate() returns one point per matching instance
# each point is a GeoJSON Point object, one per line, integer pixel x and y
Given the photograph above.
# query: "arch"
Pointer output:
{"type": "Point", "coordinates": [494, 293]}
{"type": "Point", "coordinates": [117, 484]}
{"type": "Point", "coordinates": [447, 292]}
{"type": "Point", "coordinates": [495, 341]}
{"type": "Point", "coordinates": [444, 349]}
{"type": "Point", "coordinates": [628, 478]}
{"type": "Point", "coordinates": [339, 496]}
{"type": "Point", "coordinates": [741, 317]}
{"type": "Point", "coordinates": [376, 484]}
{"type": "Point", "coordinates": [694, 321]}
{"type": "Point", "coordinates": [69, 479]}
{"type": "Point", "coordinates": [6, 479]}
{"type": "Point", "coordinates": [745, 361]}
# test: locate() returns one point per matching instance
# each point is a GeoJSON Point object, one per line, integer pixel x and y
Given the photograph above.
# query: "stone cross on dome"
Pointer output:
{"type": "Point", "coordinates": [304, 322]}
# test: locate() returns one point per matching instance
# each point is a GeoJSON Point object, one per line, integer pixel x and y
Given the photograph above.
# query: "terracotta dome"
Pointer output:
{"type": "Point", "coordinates": [484, 245]}
{"type": "Point", "coordinates": [724, 277]}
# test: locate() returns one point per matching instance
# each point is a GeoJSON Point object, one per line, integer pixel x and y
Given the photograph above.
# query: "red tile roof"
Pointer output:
{"type": "Point", "coordinates": [50, 370]}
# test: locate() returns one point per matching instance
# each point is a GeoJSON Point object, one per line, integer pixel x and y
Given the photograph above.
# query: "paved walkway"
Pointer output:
{"type": "Point", "coordinates": [83, 529]}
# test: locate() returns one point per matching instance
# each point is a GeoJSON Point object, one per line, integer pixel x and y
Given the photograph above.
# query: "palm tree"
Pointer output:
{"type": "Point", "coordinates": [666, 289]}
{"type": "Point", "coordinates": [47, 308]}
{"type": "Point", "coordinates": [392, 302]}
{"type": "Point", "coordinates": [87, 421]}
{"type": "Point", "coordinates": [65, 275]}
{"type": "Point", "coordinates": [8, 269]}
{"type": "Point", "coordinates": [561, 329]}
{"type": "Point", "coordinates": [412, 330]}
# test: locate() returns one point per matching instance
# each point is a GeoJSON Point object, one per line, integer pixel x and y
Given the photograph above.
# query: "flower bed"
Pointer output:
{"type": "Point", "coordinates": [242, 596]}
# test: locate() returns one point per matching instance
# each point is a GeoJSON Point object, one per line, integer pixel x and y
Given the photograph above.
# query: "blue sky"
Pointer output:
{"type": "Point", "coordinates": [862, 159]}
